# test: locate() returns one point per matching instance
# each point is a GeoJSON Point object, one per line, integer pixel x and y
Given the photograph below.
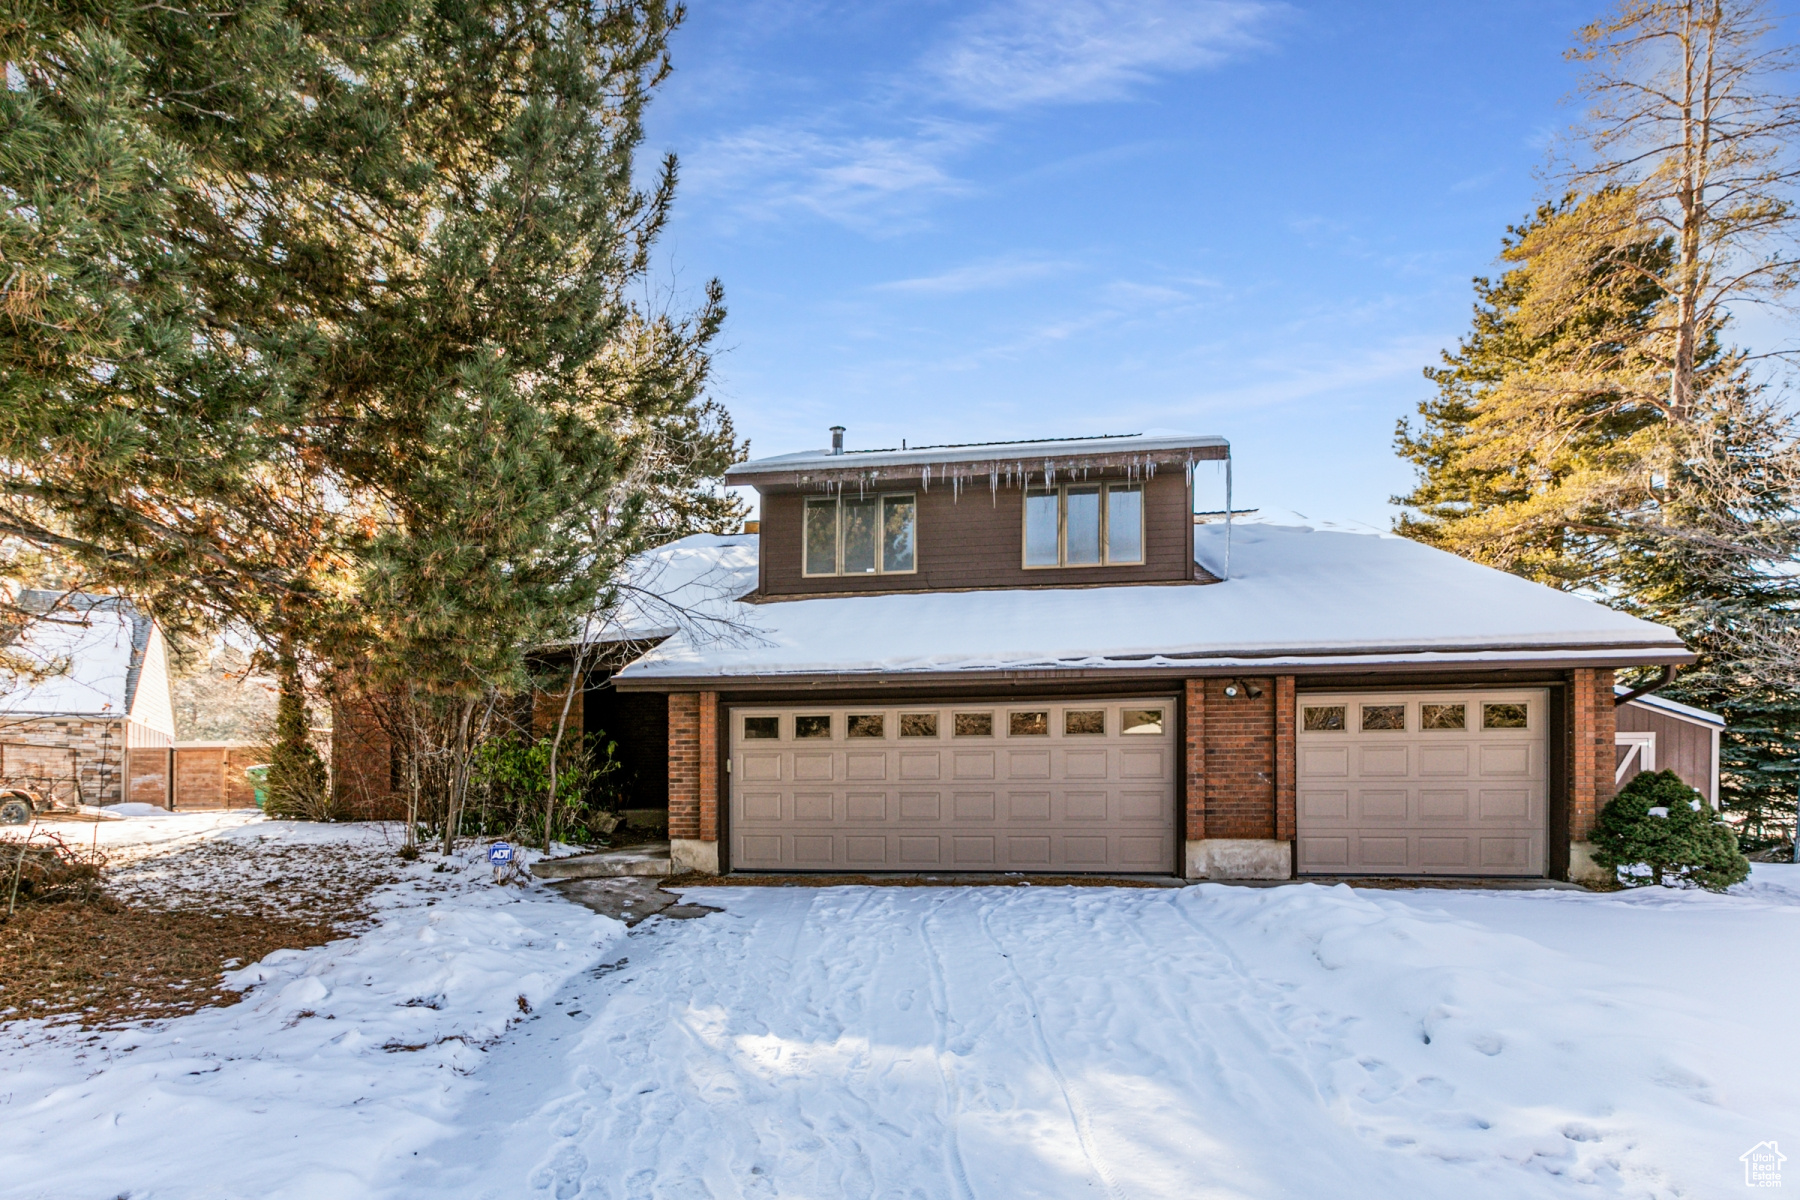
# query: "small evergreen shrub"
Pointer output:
{"type": "Point", "coordinates": [1660, 823]}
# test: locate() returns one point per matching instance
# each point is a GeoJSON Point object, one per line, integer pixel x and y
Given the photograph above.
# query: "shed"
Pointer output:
{"type": "Point", "coordinates": [1656, 734]}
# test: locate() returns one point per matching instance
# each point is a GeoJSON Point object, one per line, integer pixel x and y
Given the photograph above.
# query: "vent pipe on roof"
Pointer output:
{"type": "Point", "coordinates": [837, 439]}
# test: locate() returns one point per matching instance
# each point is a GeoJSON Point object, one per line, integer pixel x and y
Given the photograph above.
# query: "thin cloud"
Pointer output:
{"type": "Point", "coordinates": [1025, 52]}
{"type": "Point", "coordinates": [865, 182]}
{"type": "Point", "coordinates": [976, 277]}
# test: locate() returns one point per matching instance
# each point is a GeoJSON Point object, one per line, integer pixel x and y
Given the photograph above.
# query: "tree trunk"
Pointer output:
{"type": "Point", "coordinates": [562, 721]}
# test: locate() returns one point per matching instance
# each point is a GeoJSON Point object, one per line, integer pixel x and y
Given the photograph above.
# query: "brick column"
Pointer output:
{"type": "Point", "coordinates": [1591, 750]}
{"type": "Point", "coordinates": [1194, 722]}
{"type": "Point", "coordinates": [1284, 758]}
{"type": "Point", "coordinates": [709, 766]}
{"type": "Point", "coordinates": [684, 765]}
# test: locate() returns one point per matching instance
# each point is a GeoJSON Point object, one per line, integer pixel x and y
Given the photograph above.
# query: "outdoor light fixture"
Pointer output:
{"type": "Point", "coordinates": [1242, 687]}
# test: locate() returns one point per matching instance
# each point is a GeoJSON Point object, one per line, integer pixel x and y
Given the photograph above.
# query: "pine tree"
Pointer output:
{"type": "Point", "coordinates": [1595, 431]}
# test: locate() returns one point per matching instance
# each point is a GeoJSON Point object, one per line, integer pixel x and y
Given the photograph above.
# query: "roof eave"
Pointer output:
{"type": "Point", "coordinates": [1484, 659]}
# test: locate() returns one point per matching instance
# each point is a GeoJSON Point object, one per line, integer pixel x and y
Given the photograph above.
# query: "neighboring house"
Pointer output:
{"type": "Point", "coordinates": [1029, 657]}
{"type": "Point", "coordinates": [99, 727]}
{"type": "Point", "coordinates": [1655, 734]}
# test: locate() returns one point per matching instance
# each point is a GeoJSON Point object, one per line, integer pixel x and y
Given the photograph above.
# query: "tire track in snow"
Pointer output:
{"type": "Point", "coordinates": [940, 1012]}
{"type": "Point", "coordinates": [1078, 1112]}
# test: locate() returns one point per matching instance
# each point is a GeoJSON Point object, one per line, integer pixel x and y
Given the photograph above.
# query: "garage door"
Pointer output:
{"type": "Point", "coordinates": [1423, 783]}
{"type": "Point", "coordinates": [1066, 786]}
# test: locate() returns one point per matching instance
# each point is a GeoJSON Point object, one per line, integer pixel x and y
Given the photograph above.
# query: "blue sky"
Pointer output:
{"type": "Point", "coordinates": [1038, 218]}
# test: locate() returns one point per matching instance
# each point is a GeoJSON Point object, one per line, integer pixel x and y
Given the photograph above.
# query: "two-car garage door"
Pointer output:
{"type": "Point", "coordinates": [1423, 783]}
{"type": "Point", "coordinates": [1066, 786]}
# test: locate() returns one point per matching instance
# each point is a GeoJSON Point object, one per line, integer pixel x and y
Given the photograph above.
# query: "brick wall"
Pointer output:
{"type": "Point", "coordinates": [35, 754]}
{"type": "Point", "coordinates": [694, 766]}
{"type": "Point", "coordinates": [1194, 725]}
{"type": "Point", "coordinates": [684, 765]}
{"type": "Point", "coordinates": [1285, 751]}
{"type": "Point", "coordinates": [1231, 760]}
{"type": "Point", "coordinates": [1591, 753]}
{"type": "Point", "coordinates": [362, 762]}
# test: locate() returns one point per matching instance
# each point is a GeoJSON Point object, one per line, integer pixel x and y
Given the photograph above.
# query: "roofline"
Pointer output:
{"type": "Point", "coordinates": [1674, 708]}
{"type": "Point", "coordinates": [1351, 663]}
{"type": "Point", "coordinates": [985, 458]}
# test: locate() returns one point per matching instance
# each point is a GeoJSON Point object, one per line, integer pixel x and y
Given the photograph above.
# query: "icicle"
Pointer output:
{"type": "Point", "coordinates": [1228, 514]}
{"type": "Point", "coordinates": [994, 487]}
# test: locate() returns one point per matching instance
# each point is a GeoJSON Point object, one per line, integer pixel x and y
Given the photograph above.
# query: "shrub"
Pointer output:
{"type": "Point", "coordinates": [1660, 823]}
{"type": "Point", "coordinates": [509, 779]}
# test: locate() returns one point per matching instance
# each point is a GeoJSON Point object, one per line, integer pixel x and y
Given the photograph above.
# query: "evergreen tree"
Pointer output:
{"type": "Point", "coordinates": [1660, 823]}
{"type": "Point", "coordinates": [1595, 431]}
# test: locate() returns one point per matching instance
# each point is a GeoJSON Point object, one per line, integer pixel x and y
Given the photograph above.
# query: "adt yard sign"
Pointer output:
{"type": "Point", "coordinates": [499, 853]}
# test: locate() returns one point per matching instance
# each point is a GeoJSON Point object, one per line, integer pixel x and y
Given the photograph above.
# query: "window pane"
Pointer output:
{"type": "Point", "coordinates": [918, 724]}
{"type": "Point", "coordinates": [897, 533]}
{"type": "Point", "coordinates": [1081, 538]}
{"type": "Point", "coordinates": [1084, 720]}
{"type": "Point", "coordinates": [1442, 716]}
{"type": "Point", "coordinates": [1503, 716]}
{"type": "Point", "coordinates": [759, 729]}
{"type": "Point", "coordinates": [1124, 525]}
{"type": "Point", "coordinates": [1142, 720]}
{"type": "Point", "coordinates": [821, 537]}
{"type": "Point", "coordinates": [812, 727]}
{"type": "Point", "coordinates": [1384, 716]}
{"type": "Point", "coordinates": [1030, 724]}
{"type": "Point", "coordinates": [859, 535]}
{"type": "Point", "coordinates": [1040, 529]}
{"type": "Point", "coordinates": [974, 724]}
{"type": "Point", "coordinates": [1325, 719]}
{"type": "Point", "coordinates": [866, 725]}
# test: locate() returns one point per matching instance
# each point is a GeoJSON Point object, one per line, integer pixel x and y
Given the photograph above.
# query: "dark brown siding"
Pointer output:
{"type": "Point", "coordinates": [977, 540]}
{"type": "Point", "coordinates": [1681, 746]}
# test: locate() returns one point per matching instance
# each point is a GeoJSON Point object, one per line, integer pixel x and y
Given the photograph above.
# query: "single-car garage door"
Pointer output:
{"type": "Point", "coordinates": [1062, 786]}
{"type": "Point", "coordinates": [1423, 783]}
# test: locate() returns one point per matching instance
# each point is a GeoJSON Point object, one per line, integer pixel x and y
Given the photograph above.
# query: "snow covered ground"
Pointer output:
{"type": "Point", "coordinates": [920, 1043]}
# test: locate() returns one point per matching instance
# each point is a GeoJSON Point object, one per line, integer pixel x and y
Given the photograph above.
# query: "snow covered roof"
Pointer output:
{"type": "Point", "coordinates": [1674, 708]}
{"type": "Point", "coordinates": [688, 584]}
{"type": "Point", "coordinates": [1138, 450]}
{"type": "Point", "coordinates": [94, 646]}
{"type": "Point", "coordinates": [1296, 598]}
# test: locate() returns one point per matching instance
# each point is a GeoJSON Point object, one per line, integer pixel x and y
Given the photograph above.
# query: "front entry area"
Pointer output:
{"type": "Point", "coordinates": [1062, 786]}
{"type": "Point", "coordinates": [1423, 783]}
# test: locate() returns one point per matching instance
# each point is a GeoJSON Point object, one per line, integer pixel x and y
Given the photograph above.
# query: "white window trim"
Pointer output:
{"type": "Point", "coordinates": [1062, 527]}
{"type": "Point", "coordinates": [837, 501]}
{"type": "Point", "coordinates": [1642, 752]}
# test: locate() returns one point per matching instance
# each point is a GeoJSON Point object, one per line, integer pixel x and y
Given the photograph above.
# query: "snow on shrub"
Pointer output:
{"type": "Point", "coordinates": [1660, 823]}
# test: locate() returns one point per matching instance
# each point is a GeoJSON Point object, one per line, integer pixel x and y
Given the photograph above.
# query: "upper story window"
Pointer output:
{"type": "Point", "coordinates": [860, 535]}
{"type": "Point", "coordinates": [1084, 525]}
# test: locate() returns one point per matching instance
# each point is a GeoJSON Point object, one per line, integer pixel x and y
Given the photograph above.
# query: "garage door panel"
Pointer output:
{"type": "Point", "coordinates": [1441, 805]}
{"type": "Point", "coordinates": [1084, 764]}
{"type": "Point", "coordinates": [921, 806]}
{"type": "Point", "coordinates": [1443, 760]}
{"type": "Point", "coordinates": [865, 851]}
{"type": "Point", "coordinates": [1325, 806]}
{"type": "Point", "coordinates": [973, 764]}
{"type": "Point", "coordinates": [974, 806]}
{"type": "Point", "coordinates": [1028, 764]}
{"type": "Point", "coordinates": [866, 806]}
{"type": "Point", "coordinates": [915, 764]}
{"type": "Point", "coordinates": [1434, 790]}
{"type": "Point", "coordinates": [815, 806]}
{"type": "Point", "coordinates": [813, 766]}
{"type": "Point", "coordinates": [864, 765]}
{"type": "Point", "coordinates": [1087, 806]}
{"type": "Point", "coordinates": [1078, 795]}
{"type": "Point", "coordinates": [762, 768]}
{"type": "Point", "coordinates": [1506, 760]}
